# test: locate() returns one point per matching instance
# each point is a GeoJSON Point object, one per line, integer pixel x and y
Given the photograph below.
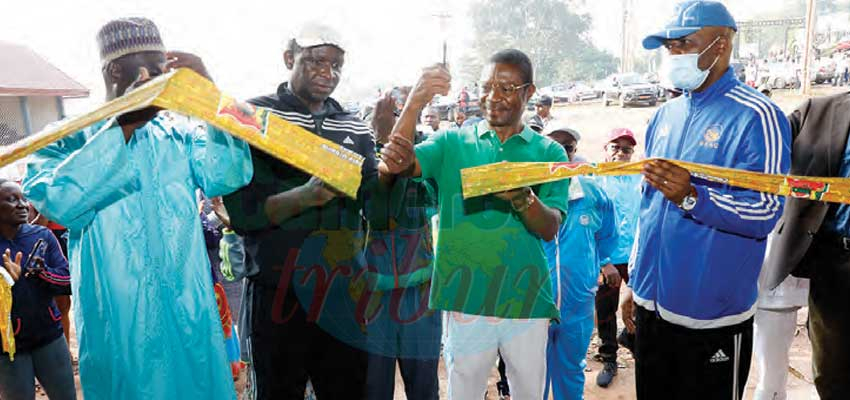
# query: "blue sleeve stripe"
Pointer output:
{"type": "Point", "coordinates": [773, 158]}
{"type": "Point", "coordinates": [775, 135]}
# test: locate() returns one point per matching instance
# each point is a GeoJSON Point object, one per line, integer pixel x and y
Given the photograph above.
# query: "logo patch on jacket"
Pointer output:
{"type": "Point", "coordinates": [348, 140]}
{"type": "Point", "coordinates": [711, 138]}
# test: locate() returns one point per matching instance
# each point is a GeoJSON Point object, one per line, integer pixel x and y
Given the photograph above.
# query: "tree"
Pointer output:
{"type": "Point", "coordinates": [470, 68]}
{"type": "Point", "coordinates": [555, 38]}
{"type": "Point", "coordinates": [595, 64]}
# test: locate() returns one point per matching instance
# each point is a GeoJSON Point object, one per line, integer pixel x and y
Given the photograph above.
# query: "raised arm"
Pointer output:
{"type": "Point", "coordinates": [71, 180]}
{"type": "Point", "coordinates": [398, 157]}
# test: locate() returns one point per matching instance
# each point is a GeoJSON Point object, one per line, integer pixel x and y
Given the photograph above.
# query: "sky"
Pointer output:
{"type": "Point", "coordinates": [241, 41]}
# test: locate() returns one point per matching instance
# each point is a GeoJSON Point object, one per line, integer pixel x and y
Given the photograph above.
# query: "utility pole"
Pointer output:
{"type": "Point", "coordinates": [806, 86]}
{"type": "Point", "coordinates": [443, 17]}
{"type": "Point", "coordinates": [627, 48]}
{"type": "Point", "coordinates": [624, 49]}
{"type": "Point", "coordinates": [623, 38]}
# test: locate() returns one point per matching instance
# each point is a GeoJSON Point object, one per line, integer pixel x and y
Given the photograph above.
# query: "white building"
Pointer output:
{"type": "Point", "coordinates": [31, 92]}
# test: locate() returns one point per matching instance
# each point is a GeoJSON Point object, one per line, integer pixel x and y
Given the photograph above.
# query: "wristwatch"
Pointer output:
{"type": "Point", "coordinates": [689, 202]}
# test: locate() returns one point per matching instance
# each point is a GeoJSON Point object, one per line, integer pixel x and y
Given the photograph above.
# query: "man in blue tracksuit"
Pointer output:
{"type": "Point", "coordinates": [624, 192]}
{"type": "Point", "coordinates": [585, 243]}
{"type": "Point", "coordinates": [700, 243]}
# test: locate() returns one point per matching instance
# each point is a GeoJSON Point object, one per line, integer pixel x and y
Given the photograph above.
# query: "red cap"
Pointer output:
{"type": "Point", "coordinates": [620, 133]}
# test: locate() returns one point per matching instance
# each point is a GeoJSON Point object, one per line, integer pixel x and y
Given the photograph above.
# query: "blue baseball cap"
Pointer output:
{"type": "Point", "coordinates": [689, 17]}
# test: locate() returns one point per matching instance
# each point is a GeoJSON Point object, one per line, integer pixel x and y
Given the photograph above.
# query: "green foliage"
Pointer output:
{"type": "Point", "coordinates": [594, 65]}
{"type": "Point", "coordinates": [555, 38]}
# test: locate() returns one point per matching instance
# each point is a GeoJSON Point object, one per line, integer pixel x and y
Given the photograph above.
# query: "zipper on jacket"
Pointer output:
{"type": "Point", "coordinates": [667, 203]}
{"type": "Point", "coordinates": [318, 121]}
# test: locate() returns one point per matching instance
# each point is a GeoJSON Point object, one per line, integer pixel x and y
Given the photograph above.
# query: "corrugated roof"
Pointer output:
{"type": "Point", "coordinates": [25, 73]}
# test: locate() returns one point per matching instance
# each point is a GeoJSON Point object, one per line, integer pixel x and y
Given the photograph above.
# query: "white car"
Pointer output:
{"type": "Point", "coordinates": [780, 76]}
{"type": "Point", "coordinates": [560, 93]}
{"type": "Point", "coordinates": [581, 92]}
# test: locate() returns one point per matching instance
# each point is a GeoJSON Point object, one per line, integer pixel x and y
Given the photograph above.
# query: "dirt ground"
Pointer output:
{"type": "Point", "coordinates": [799, 381]}
{"type": "Point", "coordinates": [593, 121]}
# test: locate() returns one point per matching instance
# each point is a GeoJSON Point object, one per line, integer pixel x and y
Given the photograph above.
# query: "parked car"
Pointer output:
{"type": "Point", "coordinates": [824, 71]}
{"type": "Point", "coordinates": [599, 87]}
{"type": "Point", "coordinates": [629, 89]}
{"type": "Point", "coordinates": [780, 76]}
{"type": "Point", "coordinates": [662, 93]}
{"type": "Point", "coordinates": [653, 78]}
{"type": "Point", "coordinates": [443, 105]}
{"type": "Point", "coordinates": [582, 92]}
{"type": "Point", "coordinates": [560, 93]}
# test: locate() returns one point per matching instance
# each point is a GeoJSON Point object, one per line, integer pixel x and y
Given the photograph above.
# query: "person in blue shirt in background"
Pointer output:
{"type": "Point", "coordinates": [586, 241]}
{"type": "Point", "coordinates": [624, 191]}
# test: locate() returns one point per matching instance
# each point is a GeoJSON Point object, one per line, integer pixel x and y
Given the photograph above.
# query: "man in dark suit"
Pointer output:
{"type": "Point", "coordinates": [812, 239]}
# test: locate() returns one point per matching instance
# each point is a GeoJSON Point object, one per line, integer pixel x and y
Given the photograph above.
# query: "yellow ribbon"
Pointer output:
{"type": "Point", "coordinates": [499, 177]}
{"type": "Point", "coordinates": [7, 329]}
{"type": "Point", "coordinates": [188, 93]}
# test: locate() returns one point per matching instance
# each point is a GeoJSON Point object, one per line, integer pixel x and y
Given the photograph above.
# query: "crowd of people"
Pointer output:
{"type": "Point", "coordinates": [193, 255]}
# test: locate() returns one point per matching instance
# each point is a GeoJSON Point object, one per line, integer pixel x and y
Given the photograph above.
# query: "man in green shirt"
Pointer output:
{"type": "Point", "coordinates": [489, 260]}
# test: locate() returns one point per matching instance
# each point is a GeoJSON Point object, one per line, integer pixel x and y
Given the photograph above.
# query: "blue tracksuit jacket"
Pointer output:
{"type": "Point", "coordinates": [700, 269]}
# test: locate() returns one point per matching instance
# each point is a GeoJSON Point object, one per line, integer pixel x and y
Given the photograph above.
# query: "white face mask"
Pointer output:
{"type": "Point", "coordinates": [682, 70]}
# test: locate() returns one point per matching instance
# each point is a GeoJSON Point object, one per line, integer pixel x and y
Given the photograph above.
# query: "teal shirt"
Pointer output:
{"type": "Point", "coordinates": [145, 310]}
{"type": "Point", "coordinates": [487, 263]}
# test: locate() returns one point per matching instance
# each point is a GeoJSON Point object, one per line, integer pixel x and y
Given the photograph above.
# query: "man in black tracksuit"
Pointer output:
{"type": "Point", "coordinates": [306, 240]}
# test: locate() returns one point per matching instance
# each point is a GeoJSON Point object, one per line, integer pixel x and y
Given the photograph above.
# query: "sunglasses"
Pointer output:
{"type": "Point", "coordinates": [569, 148]}
{"type": "Point", "coordinates": [625, 150]}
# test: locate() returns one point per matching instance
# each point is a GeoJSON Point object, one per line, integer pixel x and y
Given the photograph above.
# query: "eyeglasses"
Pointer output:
{"type": "Point", "coordinates": [503, 89]}
{"type": "Point", "coordinates": [569, 148]}
{"type": "Point", "coordinates": [613, 148]}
